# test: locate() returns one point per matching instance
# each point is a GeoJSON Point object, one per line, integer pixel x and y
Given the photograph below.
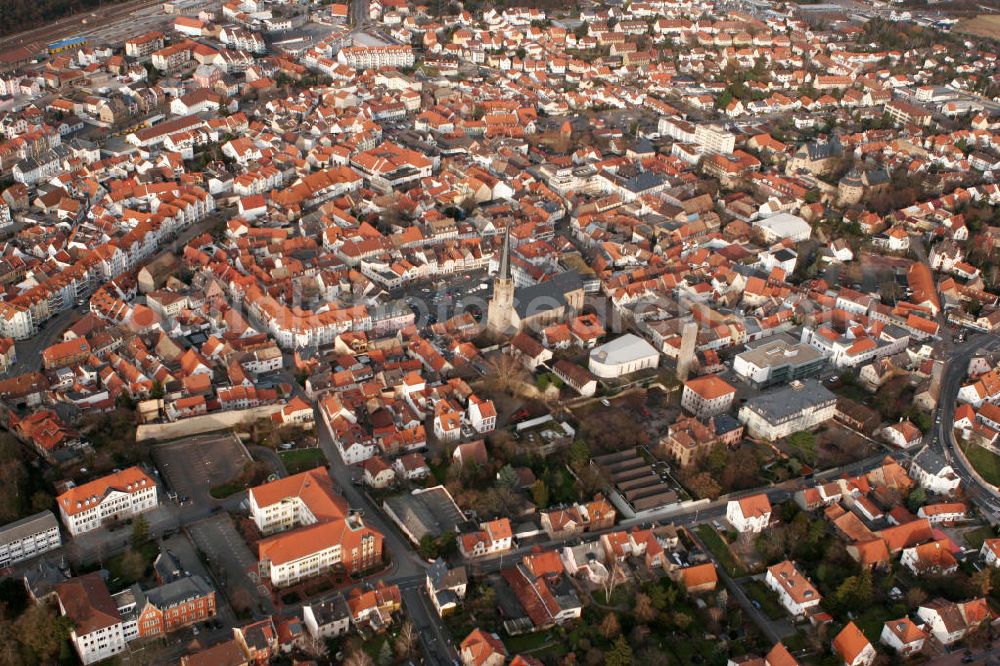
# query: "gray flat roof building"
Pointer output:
{"type": "Point", "coordinates": [791, 401]}
{"type": "Point", "coordinates": [778, 360]}
{"type": "Point", "coordinates": [424, 512]}
{"type": "Point", "coordinates": [29, 537]}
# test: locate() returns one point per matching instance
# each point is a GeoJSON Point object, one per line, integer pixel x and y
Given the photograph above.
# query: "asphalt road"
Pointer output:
{"type": "Point", "coordinates": [405, 561]}
{"type": "Point", "coordinates": [774, 635]}
{"type": "Point", "coordinates": [29, 352]}
{"type": "Point", "coordinates": [942, 438]}
{"type": "Point", "coordinates": [359, 13]}
{"type": "Point", "coordinates": [407, 569]}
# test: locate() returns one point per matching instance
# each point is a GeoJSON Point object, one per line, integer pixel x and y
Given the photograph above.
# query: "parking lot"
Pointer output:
{"type": "Point", "coordinates": [449, 295]}
{"type": "Point", "coordinates": [184, 552]}
{"type": "Point", "coordinates": [193, 466]}
{"type": "Point", "coordinates": [232, 563]}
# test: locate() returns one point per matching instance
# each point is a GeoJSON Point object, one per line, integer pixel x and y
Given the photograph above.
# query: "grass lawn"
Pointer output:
{"type": "Point", "coordinates": [721, 551]}
{"type": "Point", "coordinates": [797, 641]}
{"type": "Point", "coordinates": [986, 463]}
{"type": "Point", "coordinates": [974, 538]}
{"type": "Point", "coordinates": [871, 620]}
{"type": "Point", "coordinates": [759, 592]}
{"type": "Point", "coordinates": [459, 623]}
{"type": "Point", "coordinates": [440, 471]}
{"type": "Point", "coordinates": [853, 392]}
{"type": "Point", "coordinates": [119, 578]}
{"type": "Point", "coordinates": [300, 460]}
{"type": "Point", "coordinates": [373, 647]}
{"type": "Point", "coordinates": [984, 25]}
{"type": "Point", "coordinates": [621, 596]}
{"type": "Point", "coordinates": [224, 490]}
{"type": "Point", "coordinates": [532, 642]}
{"type": "Point", "coordinates": [803, 445]}
{"type": "Point", "coordinates": [686, 650]}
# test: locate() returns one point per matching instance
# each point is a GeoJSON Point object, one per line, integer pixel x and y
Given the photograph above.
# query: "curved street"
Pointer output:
{"type": "Point", "coordinates": [942, 436]}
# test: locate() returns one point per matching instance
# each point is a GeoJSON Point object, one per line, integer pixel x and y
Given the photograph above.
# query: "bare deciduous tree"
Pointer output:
{"type": "Point", "coordinates": [406, 642]}
{"type": "Point", "coordinates": [358, 657]}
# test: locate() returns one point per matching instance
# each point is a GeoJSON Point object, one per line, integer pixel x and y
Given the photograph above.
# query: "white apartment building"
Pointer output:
{"type": "Point", "coordinates": [328, 617]}
{"type": "Point", "coordinates": [294, 501]}
{"type": "Point", "coordinates": [714, 139]}
{"type": "Point", "coordinates": [110, 499]}
{"type": "Point", "coordinates": [98, 632]}
{"type": "Point", "coordinates": [288, 566]}
{"type": "Point", "coordinates": [171, 57]}
{"type": "Point", "coordinates": [802, 405]}
{"type": "Point", "coordinates": [847, 351]}
{"type": "Point", "coordinates": [29, 537]}
{"type": "Point", "coordinates": [144, 45]}
{"type": "Point", "coordinates": [16, 322]}
{"type": "Point", "coordinates": [289, 558]}
{"type": "Point", "coordinates": [677, 129]}
{"type": "Point", "coordinates": [374, 57]}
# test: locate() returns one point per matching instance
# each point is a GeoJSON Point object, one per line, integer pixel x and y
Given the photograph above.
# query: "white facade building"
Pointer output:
{"type": "Point", "coordinates": [749, 514]}
{"type": "Point", "coordinates": [707, 396]}
{"type": "Point", "coordinates": [794, 590]}
{"type": "Point", "coordinates": [113, 498]}
{"type": "Point", "coordinates": [285, 503]}
{"type": "Point", "coordinates": [934, 473]}
{"type": "Point", "coordinates": [714, 139]}
{"type": "Point", "coordinates": [98, 632]}
{"type": "Point", "coordinates": [802, 405]}
{"type": "Point", "coordinates": [903, 636]}
{"type": "Point", "coordinates": [375, 57]}
{"type": "Point", "coordinates": [623, 356]}
{"type": "Point", "coordinates": [29, 537]}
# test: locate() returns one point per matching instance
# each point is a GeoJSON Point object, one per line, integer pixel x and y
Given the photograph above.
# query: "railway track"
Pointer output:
{"type": "Point", "coordinates": [38, 38]}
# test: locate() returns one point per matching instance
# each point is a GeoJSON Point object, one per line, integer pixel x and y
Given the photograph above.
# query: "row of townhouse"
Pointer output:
{"type": "Point", "coordinates": [104, 624]}
{"type": "Point", "coordinates": [22, 315]}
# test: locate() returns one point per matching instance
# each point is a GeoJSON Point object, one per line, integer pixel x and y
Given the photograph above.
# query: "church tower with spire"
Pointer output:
{"type": "Point", "coordinates": [501, 309]}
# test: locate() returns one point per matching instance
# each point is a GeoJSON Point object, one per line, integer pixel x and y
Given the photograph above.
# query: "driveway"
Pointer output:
{"type": "Point", "coordinates": [99, 545]}
{"type": "Point", "coordinates": [775, 630]}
